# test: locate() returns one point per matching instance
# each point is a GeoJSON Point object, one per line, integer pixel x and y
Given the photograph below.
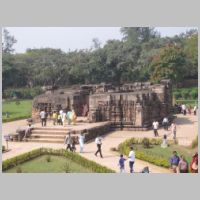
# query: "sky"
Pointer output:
{"type": "Point", "coordinates": [72, 38]}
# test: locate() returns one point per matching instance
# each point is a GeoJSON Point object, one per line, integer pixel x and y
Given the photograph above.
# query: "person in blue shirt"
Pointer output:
{"type": "Point", "coordinates": [174, 161]}
{"type": "Point", "coordinates": [121, 163]}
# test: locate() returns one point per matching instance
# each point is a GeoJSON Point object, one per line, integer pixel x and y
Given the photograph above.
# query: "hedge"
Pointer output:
{"type": "Point", "coordinates": [186, 93]}
{"type": "Point", "coordinates": [12, 162]}
{"type": "Point", "coordinates": [124, 148]}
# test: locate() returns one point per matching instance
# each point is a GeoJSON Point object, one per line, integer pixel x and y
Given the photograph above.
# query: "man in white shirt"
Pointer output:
{"type": "Point", "coordinates": [131, 158]}
{"type": "Point", "coordinates": [43, 117]}
{"type": "Point", "coordinates": [98, 142]}
{"type": "Point", "coordinates": [195, 110]}
{"type": "Point", "coordinates": [165, 123]}
{"type": "Point", "coordinates": [183, 109]}
{"type": "Point", "coordinates": [155, 127]}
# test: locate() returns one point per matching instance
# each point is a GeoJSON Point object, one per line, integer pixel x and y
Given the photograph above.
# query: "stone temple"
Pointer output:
{"type": "Point", "coordinates": [128, 106]}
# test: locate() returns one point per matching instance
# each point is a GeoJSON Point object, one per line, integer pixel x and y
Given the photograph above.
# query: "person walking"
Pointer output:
{"type": "Point", "coordinates": [121, 163]}
{"type": "Point", "coordinates": [183, 165]}
{"type": "Point", "coordinates": [173, 130]}
{"type": "Point", "coordinates": [43, 117]}
{"type": "Point", "coordinates": [98, 142]}
{"type": "Point", "coordinates": [81, 141]}
{"type": "Point", "coordinates": [155, 128]}
{"type": "Point", "coordinates": [54, 116]}
{"type": "Point", "coordinates": [165, 123]}
{"type": "Point", "coordinates": [174, 161]}
{"type": "Point", "coordinates": [131, 158]}
{"type": "Point", "coordinates": [68, 141]}
{"type": "Point", "coordinates": [63, 117]}
{"type": "Point", "coordinates": [195, 110]}
{"type": "Point", "coordinates": [184, 109]}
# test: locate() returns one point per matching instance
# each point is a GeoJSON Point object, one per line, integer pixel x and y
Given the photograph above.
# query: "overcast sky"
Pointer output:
{"type": "Point", "coordinates": [72, 38]}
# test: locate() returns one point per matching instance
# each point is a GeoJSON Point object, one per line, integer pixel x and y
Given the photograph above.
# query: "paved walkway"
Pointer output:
{"type": "Point", "coordinates": [186, 132]}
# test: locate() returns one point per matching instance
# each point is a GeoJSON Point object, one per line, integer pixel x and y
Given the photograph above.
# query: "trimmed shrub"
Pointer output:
{"type": "Point", "coordinates": [48, 158]}
{"type": "Point", "coordinates": [19, 170]}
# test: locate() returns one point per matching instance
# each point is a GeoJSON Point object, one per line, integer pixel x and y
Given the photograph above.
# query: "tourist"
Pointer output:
{"type": "Point", "coordinates": [183, 109]}
{"type": "Point", "coordinates": [63, 118]}
{"type": "Point", "coordinates": [68, 141]}
{"type": "Point", "coordinates": [145, 170]}
{"type": "Point", "coordinates": [28, 131]}
{"type": "Point", "coordinates": [155, 127]}
{"type": "Point", "coordinates": [164, 143]}
{"type": "Point", "coordinates": [194, 164]}
{"type": "Point", "coordinates": [81, 141]}
{"type": "Point", "coordinates": [165, 123]}
{"type": "Point", "coordinates": [69, 117]}
{"type": "Point", "coordinates": [74, 117]}
{"type": "Point", "coordinates": [189, 110]}
{"type": "Point", "coordinates": [174, 161]}
{"type": "Point", "coordinates": [121, 163]}
{"type": "Point", "coordinates": [98, 142]}
{"type": "Point", "coordinates": [43, 117]}
{"type": "Point", "coordinates": [173, 130]}
{"type": "Point", "coordinates": [183, 165]}
{"type": "Point", "coordinates": [131, 158]}
{"type": "Point", "coordinates": [195, 110]}
{"type": "Point", "coordinates": [59, 119]}
{"type": "Point", "coordinates": [61, 112]}
{"type": "Point", "coordinates": [73, 146]}
{"type": "Point", "coordinates": [54, 117]}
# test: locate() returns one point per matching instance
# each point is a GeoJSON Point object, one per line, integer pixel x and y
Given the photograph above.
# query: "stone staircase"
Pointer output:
{"type": "Point", "coordinates": [48, 135]}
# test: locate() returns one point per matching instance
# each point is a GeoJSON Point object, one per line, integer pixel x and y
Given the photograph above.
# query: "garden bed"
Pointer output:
{"type": "Point", "coordinates": [155, 154]}
{"type": "Point", "coordinates": [75, 162]}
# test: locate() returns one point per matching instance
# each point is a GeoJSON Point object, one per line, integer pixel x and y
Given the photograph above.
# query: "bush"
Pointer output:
{"type": "Point", "coordinates": [18, 170]}
{"type": "Point", "coordinates": [48, 158]}
{"type": "Point", "coordinates": [66, 168]}
{"type": "Point", "coordinates": [146, 143]}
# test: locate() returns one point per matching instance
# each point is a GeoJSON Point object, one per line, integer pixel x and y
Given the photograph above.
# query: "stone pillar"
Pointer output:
{"type": "Point", "coordinates": [138, 118]}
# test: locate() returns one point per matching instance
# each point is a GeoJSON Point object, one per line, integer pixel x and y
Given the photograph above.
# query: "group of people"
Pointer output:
{"type": "Point", "coordinates": [184, 109]}
{"type": "Point", "coordinates": [166, 126]}
{"type": "Point", "coordinates": [71, 141]}
{"type": "Point", "coordinates": [59, 118]}
{"type": "Point", "coordinates": [180, 165]}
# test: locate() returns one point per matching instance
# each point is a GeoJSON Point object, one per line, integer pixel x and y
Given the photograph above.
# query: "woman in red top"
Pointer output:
{"type": "Point", "coordinates": [194, 164]}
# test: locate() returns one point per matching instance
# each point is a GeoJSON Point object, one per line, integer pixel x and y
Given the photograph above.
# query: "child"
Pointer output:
{"type": "Point", "coordinates": [121, 163]}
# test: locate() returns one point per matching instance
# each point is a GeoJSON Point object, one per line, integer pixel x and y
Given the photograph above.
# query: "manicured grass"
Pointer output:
{"type": "Point", "coordinates": [155, 154]}
{"type": "Point", "coordinates": [16, 110]}
{"type": "Point", "coordinates": [166, 153]}
{"type": "Point", "coordinates": [56, 165]}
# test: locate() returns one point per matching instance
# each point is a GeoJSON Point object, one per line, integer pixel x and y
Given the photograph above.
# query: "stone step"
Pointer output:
{"type": "Point", "coordinates": [50, 132]}
{"type": "Point", "coordinates": [48, 140]}
{"type": "Point", "coordinates": [34, 136]}
{"type": "Point", "coordinates": [51, 128]}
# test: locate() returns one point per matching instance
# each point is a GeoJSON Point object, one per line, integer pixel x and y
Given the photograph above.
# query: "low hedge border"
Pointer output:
{"type": "Point", "coordinates": [16, 118]}
{"type": "Point", "coordinates": [124, 148]}
{"type": "Point", "coordinates": [12, 162]}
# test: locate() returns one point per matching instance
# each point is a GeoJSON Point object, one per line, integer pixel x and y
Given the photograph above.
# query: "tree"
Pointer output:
{"type": "Point", "coordinates": [8, 42]}
{"type": "Point", "coordinates": [169, 64]}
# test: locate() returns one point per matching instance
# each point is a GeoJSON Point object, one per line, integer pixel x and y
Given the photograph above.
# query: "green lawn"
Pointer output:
{"type": "Point", "coordinates": [56, 165]}
{"type": "Point", "coordinates": [166, 153]}
{"type": "Point", "coordinates": [16, 110]}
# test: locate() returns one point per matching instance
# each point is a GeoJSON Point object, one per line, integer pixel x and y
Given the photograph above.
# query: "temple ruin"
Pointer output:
{"type": "Point", "coordinates": [127, 106]}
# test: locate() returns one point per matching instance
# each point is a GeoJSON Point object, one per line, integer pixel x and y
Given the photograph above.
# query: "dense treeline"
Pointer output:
{"type": "Point", "coordinates": [140, 56]}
